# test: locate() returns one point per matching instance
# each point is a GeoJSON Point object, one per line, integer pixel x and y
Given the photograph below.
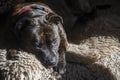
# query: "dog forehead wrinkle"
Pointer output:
{"type": "Point", "coordinates": [37, 12]}
{"type": "Point", "coordinates": [36, 21]}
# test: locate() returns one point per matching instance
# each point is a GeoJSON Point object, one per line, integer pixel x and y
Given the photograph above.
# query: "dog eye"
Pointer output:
{"type": "Point", "coordinates": [42, 8]}
{"type": "Point", "coordinates": [49, 42]}
{"type": "Point", "coordinates": [38, 7]}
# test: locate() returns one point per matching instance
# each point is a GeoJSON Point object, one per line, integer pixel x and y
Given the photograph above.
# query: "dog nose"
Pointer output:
{"type": "Point", "coordinates": [51, 61]}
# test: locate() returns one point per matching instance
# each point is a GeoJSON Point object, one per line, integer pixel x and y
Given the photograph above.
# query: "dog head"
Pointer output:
{"type": "Point", "coordinates": [38, 29]}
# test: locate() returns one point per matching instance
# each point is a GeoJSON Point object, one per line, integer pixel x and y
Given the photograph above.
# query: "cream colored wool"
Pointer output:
{"type": "Point", "coordinates": [27, 67]}
{"type": "Point", "coordinates": [104, 51]}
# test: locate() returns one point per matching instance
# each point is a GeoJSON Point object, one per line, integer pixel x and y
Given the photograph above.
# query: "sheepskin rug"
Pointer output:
{"type": "Point", "coordinates": [98, 42]}
{"type": "Point", "coordinates": [93, 54]}
{"type": "Point", "coordinates": [27, 67]}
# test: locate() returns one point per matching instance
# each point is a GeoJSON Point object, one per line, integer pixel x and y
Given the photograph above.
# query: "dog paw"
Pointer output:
{"type": "Point", "coordinates": [12, 54]}
{"type": "Point", "coordinates": [60, 68]}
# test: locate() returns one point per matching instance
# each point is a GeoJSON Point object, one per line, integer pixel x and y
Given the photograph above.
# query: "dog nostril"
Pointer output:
{"type": "Point", "coordinates": [51, 61]}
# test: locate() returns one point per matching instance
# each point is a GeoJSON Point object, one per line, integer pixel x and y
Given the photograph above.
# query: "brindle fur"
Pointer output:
{"type": "Point", "coordinates": [40, 31]}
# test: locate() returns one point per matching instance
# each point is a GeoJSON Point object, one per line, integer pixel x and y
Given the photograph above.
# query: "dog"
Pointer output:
{"type": "Point", "coordinates": [39, 30]}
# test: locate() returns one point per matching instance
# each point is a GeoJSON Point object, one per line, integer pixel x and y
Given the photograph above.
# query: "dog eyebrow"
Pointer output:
{"type": "Point", "coordinates": [36, 16]}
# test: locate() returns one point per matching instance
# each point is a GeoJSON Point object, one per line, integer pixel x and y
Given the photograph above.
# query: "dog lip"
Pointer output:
{"type": "Point", "coordinates": [38, 48]}
{"type": "Point", "coordinates": [51, 63]}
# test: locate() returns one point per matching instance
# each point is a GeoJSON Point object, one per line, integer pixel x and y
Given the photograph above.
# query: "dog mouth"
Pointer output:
{"type": "Point", "coordinates": [50, 59]}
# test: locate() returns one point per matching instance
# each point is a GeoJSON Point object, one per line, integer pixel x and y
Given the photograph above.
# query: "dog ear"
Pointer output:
{"type": "Point", "coordinates": [64, 42]}
{"type": "Point", "coordinates": [62, 49]}
{"type": "Point", "coordinates": [54, 18]}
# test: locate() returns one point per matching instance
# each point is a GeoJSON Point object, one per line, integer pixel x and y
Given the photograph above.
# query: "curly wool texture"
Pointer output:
{"type": "Point", "coordinates": [97, 47]}
{"type": "Point", "coordinates": [99, 41]}
{"type": "Point", "coordinates": [27, 67]}
{"type": "Point", "coordinates": [105, 53]}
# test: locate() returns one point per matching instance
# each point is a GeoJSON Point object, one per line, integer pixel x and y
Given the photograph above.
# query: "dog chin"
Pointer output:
{"type": "Point", "coordinates": [49, 60]}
